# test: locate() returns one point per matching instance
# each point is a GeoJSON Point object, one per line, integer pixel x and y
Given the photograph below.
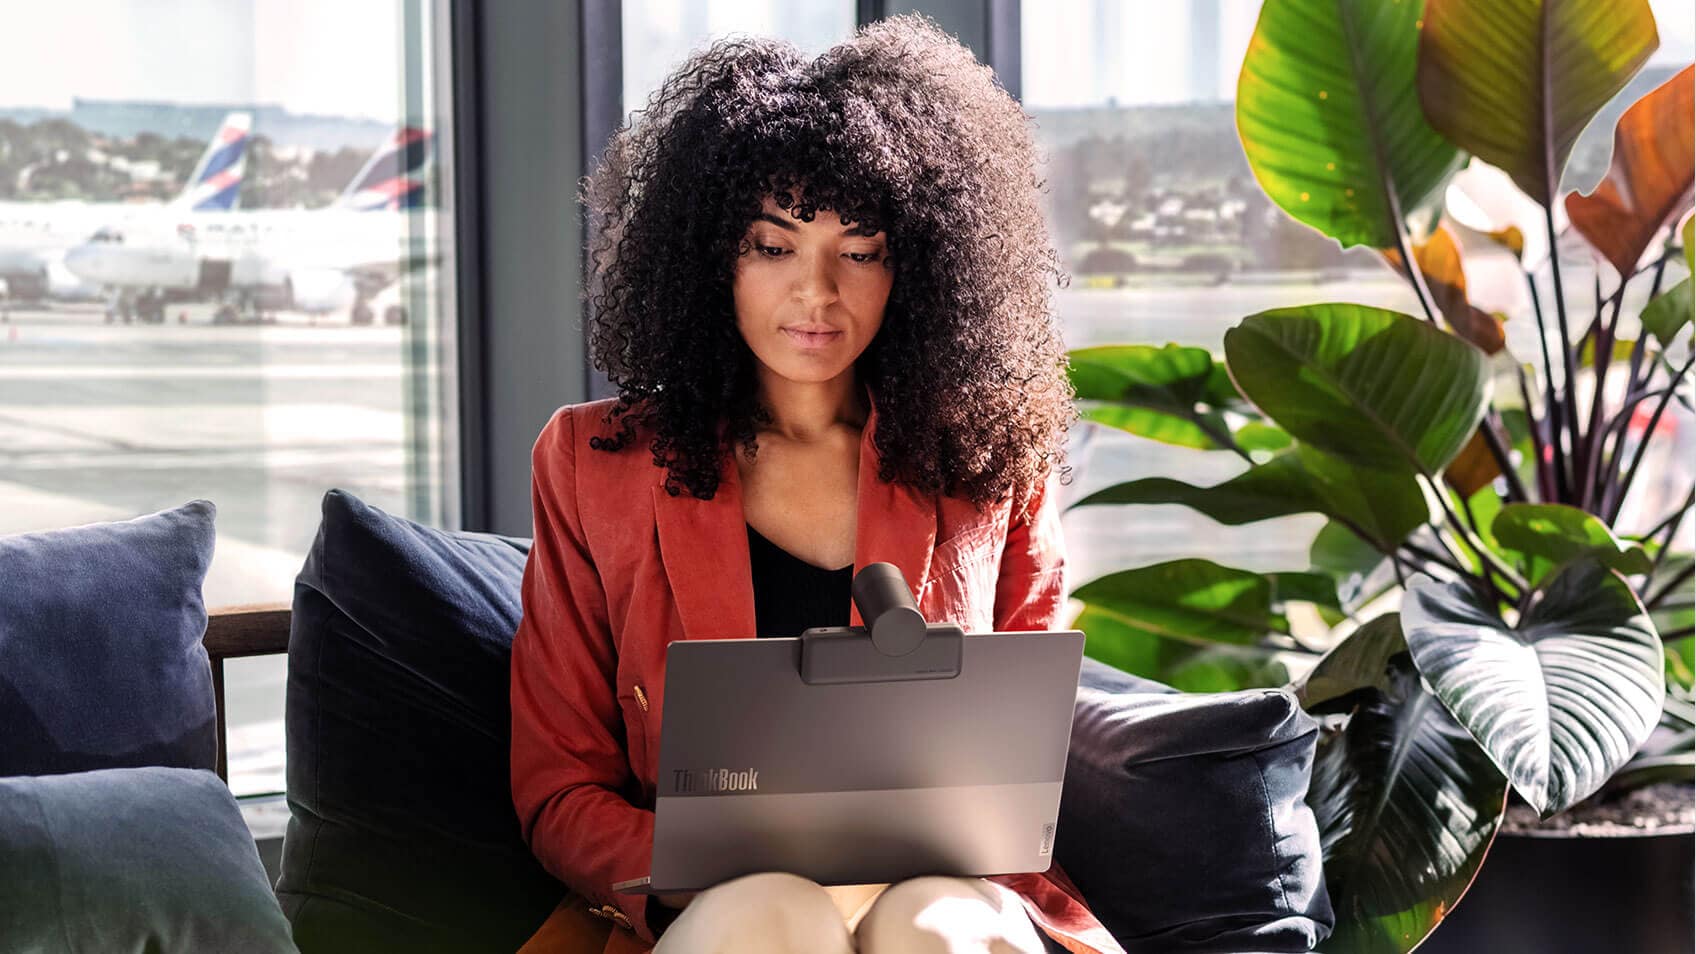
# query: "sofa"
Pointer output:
{"type": "Point", "coordinates": [1183, 819]}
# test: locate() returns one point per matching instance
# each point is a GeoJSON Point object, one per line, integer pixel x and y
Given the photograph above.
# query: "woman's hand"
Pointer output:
{"type": "Point", "coordinates": [677, 900]}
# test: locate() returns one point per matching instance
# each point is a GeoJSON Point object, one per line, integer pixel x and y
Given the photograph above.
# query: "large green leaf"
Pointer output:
{"type": "Point", "coordinates": [1347, 559]}
{"type": "Point", "coordinates": [1360, 661]}
{"type": "Point", "coordinates": [1676, 611]}
{"type": "Point", "coordinates": [1554, 533]}
{"type": "Point", "coordinates": [1407, 804]}
{"type": "Point", "coordinates": [1559, 700]}
{"type": "Point", "coordinates": [1669, 312]}
{"type": "Point", "coordinates": [1225, 669]}
{"type": "Point", "coordinates": [1329, 119]}
{"type": "Point", "coordinates": [1173, 394]}
{"type": "Point", "coordinates": [1387, 504]}
{"type": "Point", "coordinates": [1194, 600]}
{"type": "Point", "coordinates": [1374, 387]}
{"type": "Point", "coordinates": [1316, 588]}
{"type": "Point", "coordinates": [1182, 665]}
{"type": "Point", "coordinates": [1515, 81]}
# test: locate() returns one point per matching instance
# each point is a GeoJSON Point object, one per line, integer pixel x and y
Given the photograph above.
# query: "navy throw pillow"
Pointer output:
{"type": "Point", "coordinates": [402, 834]}
{"type": "Point", "coordinates": [131, 860]}
{"type": "Point", "coordinates": [1183, 820]}
{"type": "Point", "coordinates": [101, 664]}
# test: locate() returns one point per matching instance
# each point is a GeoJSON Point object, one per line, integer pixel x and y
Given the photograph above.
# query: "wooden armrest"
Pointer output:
{"type": "Point", "coordinates": [259, 629]}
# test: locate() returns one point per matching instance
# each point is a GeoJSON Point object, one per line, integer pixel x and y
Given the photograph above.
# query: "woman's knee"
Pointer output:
{"type": "Point", "coordinates": [943, 915]}
{"type": "Point", "coordinates": [770, 911]}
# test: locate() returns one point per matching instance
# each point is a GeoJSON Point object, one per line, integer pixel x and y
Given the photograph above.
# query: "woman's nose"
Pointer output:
{"type": "Point", "coordinates": [817, 284]}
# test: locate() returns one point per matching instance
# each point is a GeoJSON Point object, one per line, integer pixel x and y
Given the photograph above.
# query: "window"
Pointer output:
{"type": "Point", "coordinates": [658, 34]}
{"type": "Point", "coordinates": [225, 243]}
{"type": "Point", "coordinates": [1168, 237]}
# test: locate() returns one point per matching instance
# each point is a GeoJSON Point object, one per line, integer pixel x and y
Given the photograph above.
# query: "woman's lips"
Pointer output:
{"type": "Point", "coordinates": [812, 339]}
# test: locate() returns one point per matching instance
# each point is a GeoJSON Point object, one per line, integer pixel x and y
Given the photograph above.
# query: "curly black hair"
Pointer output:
{"type": "Point", "coordinates": [898, 129]}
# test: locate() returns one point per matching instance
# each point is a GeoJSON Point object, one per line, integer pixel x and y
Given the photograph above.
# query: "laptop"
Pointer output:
{"type": "Point", "coordinates": [952, 765]}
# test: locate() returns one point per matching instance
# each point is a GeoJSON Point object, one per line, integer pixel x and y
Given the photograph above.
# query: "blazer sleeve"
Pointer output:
{"type": "Point", "coordinates": [570, 766]}
{"type": "Point", "coordinates": [1030, 592]}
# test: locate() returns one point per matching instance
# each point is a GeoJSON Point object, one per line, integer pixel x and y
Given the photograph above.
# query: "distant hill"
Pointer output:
{"type": "Point", "coordinates": [125, 119]}
{"type": "Point", "coordinates": [1197, 142]}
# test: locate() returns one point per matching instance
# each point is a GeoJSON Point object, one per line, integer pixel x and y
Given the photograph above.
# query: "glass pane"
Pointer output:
{"type": "Point", "coordinates": [225, 238]}
{"type": "Point", "coordinates": [1168, 238]}
{"type": "Point", "coordinates": [658, 34]}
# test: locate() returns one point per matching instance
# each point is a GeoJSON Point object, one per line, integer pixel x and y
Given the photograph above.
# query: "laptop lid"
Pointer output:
{"type": "Point", "coordinates": [860, 782]}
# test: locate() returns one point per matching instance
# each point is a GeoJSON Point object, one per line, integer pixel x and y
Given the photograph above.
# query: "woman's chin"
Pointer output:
{"type": "Point", "coordinates": [808, 368]}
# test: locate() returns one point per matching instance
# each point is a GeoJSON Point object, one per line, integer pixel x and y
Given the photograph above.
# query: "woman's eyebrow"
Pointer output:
{"type": "Point", "coordinates": [792, 227]}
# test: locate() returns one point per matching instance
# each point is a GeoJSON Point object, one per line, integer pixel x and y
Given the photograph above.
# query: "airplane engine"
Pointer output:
{"type": "Point", "coordinates": [26, 285]}
{"type": "Point", "coordinates": [64, 285]}
{"type": "Point", "coordinates": [322, 290]}
{"type": "Point", "coordinates": [257, 271]}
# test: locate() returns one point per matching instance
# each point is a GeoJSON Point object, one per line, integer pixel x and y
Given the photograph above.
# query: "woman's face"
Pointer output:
{"type": "Point", "coordinates": [809, 295]}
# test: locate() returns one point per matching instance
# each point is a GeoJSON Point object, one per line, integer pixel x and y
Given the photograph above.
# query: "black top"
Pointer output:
{"type": "Point", "coordinates": [792, 595]}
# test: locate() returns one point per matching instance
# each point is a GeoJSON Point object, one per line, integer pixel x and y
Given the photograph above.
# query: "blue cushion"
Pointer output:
{"type": "Point", "coordinates": [152, 860]}
{"type": "Point", "coordinates": [1182, 819]}
{"type": "Point", "coordinates": [402, 833]}
{"type": "Point", "coordinates": [101, 664]}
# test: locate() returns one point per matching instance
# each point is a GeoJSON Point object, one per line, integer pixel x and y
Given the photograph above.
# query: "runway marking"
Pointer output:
{"type": "Point", "coordinates": [270, 372]}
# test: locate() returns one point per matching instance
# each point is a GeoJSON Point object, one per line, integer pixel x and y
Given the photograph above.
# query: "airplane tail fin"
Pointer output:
{"type": "Point", "coordinates": [215, 183]}
{"type": "Point", "coordinates": [393, 178]}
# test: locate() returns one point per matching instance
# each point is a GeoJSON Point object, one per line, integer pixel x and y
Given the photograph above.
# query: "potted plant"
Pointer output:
{"type": "Point", "coordinates": [1487, 625]}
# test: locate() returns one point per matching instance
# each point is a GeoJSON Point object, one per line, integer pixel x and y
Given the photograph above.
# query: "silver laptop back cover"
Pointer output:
{"type": "Point", "coordinates": [864, 782]}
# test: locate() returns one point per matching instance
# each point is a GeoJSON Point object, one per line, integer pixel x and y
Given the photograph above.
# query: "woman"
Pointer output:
{"type": "Point", "coordinates": [822, 291]}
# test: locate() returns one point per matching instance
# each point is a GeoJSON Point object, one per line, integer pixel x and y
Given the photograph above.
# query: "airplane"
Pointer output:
{"type": "Point", "coordinates": [312, 260]}
{"type": "Point", "coordinates": [35, 236]}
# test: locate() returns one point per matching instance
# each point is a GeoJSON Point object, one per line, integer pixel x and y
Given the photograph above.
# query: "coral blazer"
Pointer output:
{"type": "Point", "coordinates": [619, 568]}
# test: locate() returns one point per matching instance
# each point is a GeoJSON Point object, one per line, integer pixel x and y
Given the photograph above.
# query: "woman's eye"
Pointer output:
{"type": "Point", "coordinates": [769, 251]}
{"type": "Point", "coordinates": [865, 258]}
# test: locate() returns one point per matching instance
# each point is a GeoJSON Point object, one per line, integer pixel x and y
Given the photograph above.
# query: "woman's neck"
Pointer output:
{"type": "Point", "coordinates": [808, 411]}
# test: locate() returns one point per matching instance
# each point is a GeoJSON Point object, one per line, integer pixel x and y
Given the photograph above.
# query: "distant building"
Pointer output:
{"type": "Point", "coordinates": [123, 119]}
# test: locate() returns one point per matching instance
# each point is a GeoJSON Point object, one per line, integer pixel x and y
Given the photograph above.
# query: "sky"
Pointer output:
{"type": "Point", "coordinates": [1080, 52]}
{"type": "Point", "coordinates": [336, 57]}
{"type": "Point", "coordinates": [342, 57]}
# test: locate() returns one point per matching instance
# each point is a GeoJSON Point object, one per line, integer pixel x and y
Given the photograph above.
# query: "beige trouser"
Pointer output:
{"type": "Point", "coordinates": [780, 913]}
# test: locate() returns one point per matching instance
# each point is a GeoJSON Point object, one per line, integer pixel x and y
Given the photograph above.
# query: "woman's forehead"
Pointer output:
{"type": "Point", "coordinates": [823, 218]}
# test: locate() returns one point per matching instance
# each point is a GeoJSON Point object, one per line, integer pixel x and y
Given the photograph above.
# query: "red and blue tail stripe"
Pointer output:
{"type": "Point", "coordinates": [393, 178]}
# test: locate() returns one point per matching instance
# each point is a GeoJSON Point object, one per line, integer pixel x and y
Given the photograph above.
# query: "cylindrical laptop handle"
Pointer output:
{"type": "Point", "coordinates": [887, 609]}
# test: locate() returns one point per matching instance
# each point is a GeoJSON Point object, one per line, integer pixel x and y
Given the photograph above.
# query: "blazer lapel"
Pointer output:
{"type": "Point", "coordinates": [894, 523]}
{"type": "Point", "coordinates": [704, 547]}
{"type": "Point", "coordinates": [704, 543]}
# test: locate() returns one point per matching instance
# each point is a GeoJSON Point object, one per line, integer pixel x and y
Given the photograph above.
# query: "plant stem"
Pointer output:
{"type": "Point", "coordinates": [1615, 428]}
{"type": "Point", "coordinates": [1484, 585]}
{"type": "Point", "coordinates": [1637, 349]}
{"type": "Point", "coordinates": [1670, 585]}
{"type": "Point", "coordinates": [1670, 526]}
{"type": "Point", "coordinates": [1436, 558]}
{"type": "Point", "coordinates": [1590, 450]}
{"type": "Point", "coordinates": [1396, 563]}
{"type": "Point", "coordinates": [1618, 499]}
{"type": "Point", "coordinates": [1551, 404]}
{"type": "Point", "coordinates": [1498, 450]}
{"type": "Point", "coordinates": [1415, 275]}
{"type": "Point", "coordinates": [1485, 555]}
{"type": "Point", "coordinates": [1570, 405]}
{"type": "Point", "coordinates": [1541, 467]}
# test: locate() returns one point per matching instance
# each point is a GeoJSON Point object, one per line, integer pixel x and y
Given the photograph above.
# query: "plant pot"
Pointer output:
{"type": "Point", "coordinates": [1556, 892]}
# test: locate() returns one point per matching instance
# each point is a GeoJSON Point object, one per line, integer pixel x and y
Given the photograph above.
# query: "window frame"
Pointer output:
{"type": "Point", "coordinates": [512, 100]}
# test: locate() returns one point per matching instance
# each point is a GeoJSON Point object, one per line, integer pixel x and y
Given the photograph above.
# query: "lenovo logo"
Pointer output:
{"type": "Point", "coordinates": [715, 780]}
